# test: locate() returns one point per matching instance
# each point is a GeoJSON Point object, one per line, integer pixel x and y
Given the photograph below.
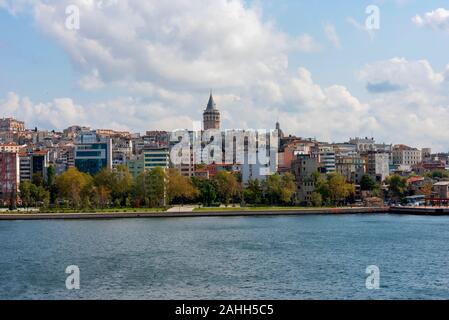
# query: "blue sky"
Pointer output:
{"type": "Point", "coordinates": [129, 67]}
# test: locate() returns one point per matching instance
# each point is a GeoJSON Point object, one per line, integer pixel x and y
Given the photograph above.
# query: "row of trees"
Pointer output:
{"type": "Point", "coordinates": [155, 188]}
{"type": "Point", "coordinates": [159, 188]}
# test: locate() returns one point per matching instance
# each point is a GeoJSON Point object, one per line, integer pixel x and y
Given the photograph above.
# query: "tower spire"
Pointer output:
{"type": "Point", "coordinates": [211, 104]}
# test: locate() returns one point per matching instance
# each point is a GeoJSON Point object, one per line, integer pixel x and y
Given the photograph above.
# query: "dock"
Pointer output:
{"type": "Point", "coordinates": [421, 211]}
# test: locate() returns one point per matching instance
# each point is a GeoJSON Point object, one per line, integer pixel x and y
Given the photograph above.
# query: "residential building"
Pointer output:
{"type": "Point", "coordinates": [11, 125]}
{"type": "Point", "coordinates": [9, 177]}
{"type": "Point", "coordinates": [122, 150]}
{"type": "Point", "coordinates": [304, 167]}
{"type": "Point", "coordinates": [363, 144]}
{"type": "Point", "coordinates": [10, 147]}
{"type": "Point", "coordinates": [148, 160]}
{"type": "Point", "coordinates": [352, 167]}
{"type": "Point", "coordinates": [25, 167]}
{"type": "Point", "coordinates": [378, 165]}
{"type": "Point", "coordinates": [442, 189]}
{"type": "Point", "coordinates": [426, 154]}
{"type": "Point", "coordinates": [404, 155]}
{"type": "Point", "coordinates": [39, 163]}
{"type": "Point", "coordinates": [135, 166]}
{"type": "Point", "coordinates": [290, 150]}
{"type": "Point", "coordinates": [156, 158]}
{"type": "Point", "coordinates": [343, 149]}
{"type": "Point", "coordinates": [326, 158]}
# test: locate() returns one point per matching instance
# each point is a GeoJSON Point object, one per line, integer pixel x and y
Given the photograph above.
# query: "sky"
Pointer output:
{"type": "Point", "coordinates": [314, 66]}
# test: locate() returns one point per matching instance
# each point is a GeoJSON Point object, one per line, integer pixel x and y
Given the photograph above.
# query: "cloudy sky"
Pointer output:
{"type": "Point", "coordinates": [140, 65]}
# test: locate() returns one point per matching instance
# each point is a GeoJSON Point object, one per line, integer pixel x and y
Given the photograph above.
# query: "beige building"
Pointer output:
{"type": "Point", "coordinates": [11, 125]}
{"type": "Point", "coordinates": [442, 189]}
{"type": "Point", "coordinates": [352, 167]}
{"type": "Point", "coordinates": [9, 147]}
{"type": "Point", "coordinates": [406, 156]}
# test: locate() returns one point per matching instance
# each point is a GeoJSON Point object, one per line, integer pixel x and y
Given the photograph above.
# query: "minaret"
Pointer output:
{"type": "Point", "coordinates": [211, 116]}
{"type": "Point", "coordinates": [279, 130]}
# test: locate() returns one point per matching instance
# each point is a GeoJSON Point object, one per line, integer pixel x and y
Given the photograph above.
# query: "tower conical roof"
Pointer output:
{"type": "Point", "coordinates": [211, 104]}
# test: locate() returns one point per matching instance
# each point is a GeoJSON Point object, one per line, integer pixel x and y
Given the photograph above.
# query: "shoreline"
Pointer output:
{"type": "Point", "coordinates": [422, 211]}
{"type": "Point", "coordinates": [194, 214]}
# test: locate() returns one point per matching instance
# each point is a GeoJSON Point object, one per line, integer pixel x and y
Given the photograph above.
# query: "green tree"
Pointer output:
{"type": "Point", "coordinates": [26, 193]}
{"type": "Point", "coordinates": [317, 199]}
{"type": "Point", "coordinates": [118, 183]}
{"type": "Point", "coordinates": [273, 189]}
{"type": "Point", "coordinates": [288, 188]}
{"type": "Point", "coordinates": [397, 186]}
{"type": "Point", "coordinates": [440, 174]}
{"type": "Point", "coordinates": [227, 186]}
{"type": "Point", "coordinates": [339, 190]}
{"type": "Point", "coordinates": [33, 195]}
{"type": "Point", "coordinates": [367, 183]}
{"type": "Point", "coordinates": [37, 179]}
{"type": "Point", "coordinates": [207, 191]}
{"type": "Point", "coordinates": [51, 183]}
{"type": "Point", "coordinates": [51, 176]}
{"type": "Point", "coordinates": [149, 188]}
{"type": "Point", "coordinates": [74, 186]}
{"type": "Point", "coordinates": [333, 188]}
{"type": "Point", "coordinates": [179, 187]}
{"type": "Point", "coordinates": [253, 192]}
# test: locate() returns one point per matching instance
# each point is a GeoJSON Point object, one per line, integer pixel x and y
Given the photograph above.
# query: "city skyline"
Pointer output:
{"type": "Point", "coordinates": [146, 66]}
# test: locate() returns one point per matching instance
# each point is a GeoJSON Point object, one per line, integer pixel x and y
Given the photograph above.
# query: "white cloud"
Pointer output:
{"type": "Point", "coordinates": [361, 27]}
{"type": "Point", "coordinates": [91, 81]}
{"type": "Point", "coordinates": [417, 74]}
{"type": "Point", "coordinates": [202, 44]}
{"type": "Point", "coordinates": [417, 114]}
{"type": "Point", "coordinates": [125, 113]}
{"type": "Point", "coordinates": [332, 36]}
{"type": "Point", "coordinates": [165, 56]}
{"type": "Point", "coordinates": [436, 20]}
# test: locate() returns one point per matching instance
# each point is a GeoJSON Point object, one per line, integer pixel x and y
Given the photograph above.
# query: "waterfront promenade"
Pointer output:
{"type": "Point", "coordinates": [190, 214]}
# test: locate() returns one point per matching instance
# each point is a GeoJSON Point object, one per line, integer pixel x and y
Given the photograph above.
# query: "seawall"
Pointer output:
{"type": "Point", "coordinates": [195, 214]}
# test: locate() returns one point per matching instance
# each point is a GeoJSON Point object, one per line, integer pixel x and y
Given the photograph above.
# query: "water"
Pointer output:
{"type": "Point", "coordinates": [311, 257]}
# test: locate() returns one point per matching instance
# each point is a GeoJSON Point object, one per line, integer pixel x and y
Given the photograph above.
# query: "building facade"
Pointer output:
{"type": "Point", "coordinates": [149, 160]}
{"type": "Point", "coordinates": [378, 166]}
{"type": "Point", "coordinates": [9, 147]}
{"type": "Point", "coordinates": [9, 177]}
{"type": "Point", "coordinates": [352, 167]}
{"type": "Point", "coordinates": [93, 154]}
{"type": "Point", "coordinates": [11, 125]}
{"type": "Point", "coordinates": [304, 167]}
{"type": "Point", "coordinates": [406, 156]}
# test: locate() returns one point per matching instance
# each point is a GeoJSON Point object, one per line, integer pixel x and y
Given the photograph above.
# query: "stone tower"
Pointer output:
{"type": "Point", "coordinates": [211, 116]}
